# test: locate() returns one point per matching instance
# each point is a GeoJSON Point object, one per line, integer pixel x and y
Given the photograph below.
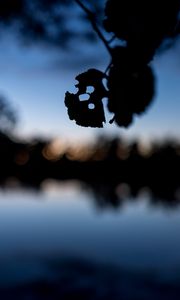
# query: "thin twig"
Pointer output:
{"type": "Point", "coordinates": [91, 18]}
{"type": "Point", "coordinates": [112, 39]}
{"type": "Point", "coordinates": [108, 67]}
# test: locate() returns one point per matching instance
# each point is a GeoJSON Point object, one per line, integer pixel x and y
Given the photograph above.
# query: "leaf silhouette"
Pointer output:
{"type": "Point", "coordinates": [143, 26]}
{"type": "Point", "coordinates": [131, 87]}
{"type": "Point", "coordinates": [87, 111]}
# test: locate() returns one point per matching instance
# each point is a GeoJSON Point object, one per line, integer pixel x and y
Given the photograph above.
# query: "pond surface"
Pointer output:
{"type": "Point", "coordinates": [59, 243]}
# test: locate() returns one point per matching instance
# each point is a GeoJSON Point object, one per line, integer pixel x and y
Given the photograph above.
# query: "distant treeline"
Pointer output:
{"type": "Point", "coordinates": [107, 165]}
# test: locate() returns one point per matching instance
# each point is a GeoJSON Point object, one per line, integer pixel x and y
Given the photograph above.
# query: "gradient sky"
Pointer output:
{"type": "Point", "coordinates": [36, 79]}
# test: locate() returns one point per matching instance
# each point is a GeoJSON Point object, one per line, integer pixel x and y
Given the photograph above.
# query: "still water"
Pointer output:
{"type": "Point", "coordinates": [60, 239]}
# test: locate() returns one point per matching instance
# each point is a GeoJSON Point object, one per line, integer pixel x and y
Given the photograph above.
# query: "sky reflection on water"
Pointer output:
{"type": "Point", "coordinates": [36, 227]}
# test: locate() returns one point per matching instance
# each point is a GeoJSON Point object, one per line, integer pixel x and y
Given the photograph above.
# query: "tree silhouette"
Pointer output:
{"type": "Point", "coordinates": [140, 29]}
{"type": "Point", "coordinates": [8, 117]}
{"type": "Point", "coordinates": [47, 22]}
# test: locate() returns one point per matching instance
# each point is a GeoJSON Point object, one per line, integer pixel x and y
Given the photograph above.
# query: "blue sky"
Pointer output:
{"type": "Point", "coordinates": [36, 79]}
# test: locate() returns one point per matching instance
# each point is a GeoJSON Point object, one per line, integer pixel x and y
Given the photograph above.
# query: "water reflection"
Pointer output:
{"type": "Point", "coordinates": [111, 168]}
{"type": "Point", "coordinates": [79, 279]}
{"type": "Point", "coordinates": [114, 195]}
{"type": "Point", "coordinates": [55, 244]}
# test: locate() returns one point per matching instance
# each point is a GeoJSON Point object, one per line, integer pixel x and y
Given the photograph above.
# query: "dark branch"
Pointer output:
{"type": "Point", "coordinates": [91, 18]}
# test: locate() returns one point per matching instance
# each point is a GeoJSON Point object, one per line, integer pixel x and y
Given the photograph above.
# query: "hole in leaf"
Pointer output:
{"type": "Point", "coordinates": [104, 81]}
{"type": "Point", "coordinates": [90, 89]}
{"type": "Point", "coordinates": [84, 97]}
{"type": "Point", "coordinates": [91, 106]}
